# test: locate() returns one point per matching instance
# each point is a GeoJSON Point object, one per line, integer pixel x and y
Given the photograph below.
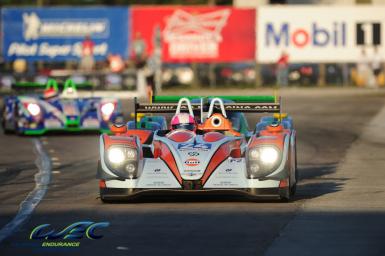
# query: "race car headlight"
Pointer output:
{"type": "Point", "coordinates": [269, 155]}
{"type": "Point", "coordinates": [123, 161]}
{"type": "Point", "coordinates": [107, 109]}
{"type": "Point", "coordinates": [254, 154]}
{"type": "Point", "coordinates": [33, 109]}
{"type": "Point", "coordinates": [263, 160]}
{"type": "Point", "coordinates": [116, 156]}
{"type": "Point", "coordinates": [119, 155]}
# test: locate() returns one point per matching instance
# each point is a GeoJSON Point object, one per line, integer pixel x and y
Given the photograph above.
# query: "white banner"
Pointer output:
{"type": "Point", "coordinates": [319, 33]}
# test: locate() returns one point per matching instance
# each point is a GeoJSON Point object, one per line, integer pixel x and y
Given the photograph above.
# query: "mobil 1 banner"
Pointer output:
{"type": "Point", "coordinates": [57, 33]}
{"type": "Point", "coordinates": [320, 34]}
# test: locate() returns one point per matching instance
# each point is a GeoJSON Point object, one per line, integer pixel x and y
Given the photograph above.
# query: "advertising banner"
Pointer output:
{"type": "Point", "coordinates": [320, 33]}
{"type": "Point", "coordinates": [195, 34]}
{"type": "Point", "coordinates": [57, 33]}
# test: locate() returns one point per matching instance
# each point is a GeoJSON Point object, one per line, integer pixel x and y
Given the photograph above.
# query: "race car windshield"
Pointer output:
{"type": "Point", "coordinates": [190, 127]}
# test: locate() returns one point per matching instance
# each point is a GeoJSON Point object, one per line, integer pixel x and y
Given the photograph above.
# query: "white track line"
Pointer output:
{"type": "Point", "coordinates": [42, 180]}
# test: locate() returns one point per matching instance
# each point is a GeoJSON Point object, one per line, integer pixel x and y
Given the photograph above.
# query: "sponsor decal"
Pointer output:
{"type": "Point", "coordinates": [196, 34]}
{"type": "Point", "coordinates": [192, 162]}
{"type": "Point", "coordinates": [194, 153]}
{"type": "Point", "coordinates": [34, 27]}
{"type": "Point", "coordinates": [228, 170]}
{"type": "Point", "coordinates": [368, 33]}
{"type": "Point", "coordinates": [192, 146]}
{"type": "Point", "coordinates": [259, 107]}
{"type": "Point", "coordinates": [157, 170]}
{"type": "Point", "coordinates": [190, 35]}
{"type": "Point", "coordinates": [235, 160]}
{"type": "Point", "coordinates": [323, 35]}
{"type": "Point", "coordinates": [160, 107]}
{"type": "Point", "coordinates": [165, 107]}
{"type": "Point", "coordinates": [52, 50]}
{"type": "Point", "coordinates": [285, 34]}
{"type": "Point", "coordinates": [57, 33]}
{"type": "Point", "coordinates": [191, 172]}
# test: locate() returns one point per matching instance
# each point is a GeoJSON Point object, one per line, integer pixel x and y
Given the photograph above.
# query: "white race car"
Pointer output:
{"type": "Point", "coordinates": [218, 157]}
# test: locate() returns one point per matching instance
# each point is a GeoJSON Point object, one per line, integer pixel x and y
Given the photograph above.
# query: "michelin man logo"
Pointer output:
{"type": "Point", "coordinates": [31, 23]}
{"type": "Point", "coordinates": [34, 27]}
{"type": "Point", "coordinates": [195, 36]}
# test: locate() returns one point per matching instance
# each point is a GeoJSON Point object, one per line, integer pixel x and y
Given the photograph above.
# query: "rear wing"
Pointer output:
{"type": "Point", "coordinates": [51, 83]}
{"type": "Point", "coordinates": [251, 107]}
{"type": "Point", "coordinates": [236, 99]}
{"type": "Point", "coordinates": [245, 104]}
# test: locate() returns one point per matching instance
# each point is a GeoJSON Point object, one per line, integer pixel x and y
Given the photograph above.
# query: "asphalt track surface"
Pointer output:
{"type": "Point", "coordinates": [324, 218]}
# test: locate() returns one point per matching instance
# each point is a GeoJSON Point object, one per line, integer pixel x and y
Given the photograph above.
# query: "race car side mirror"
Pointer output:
{"type": "Point", "coordinates": [118, 129]}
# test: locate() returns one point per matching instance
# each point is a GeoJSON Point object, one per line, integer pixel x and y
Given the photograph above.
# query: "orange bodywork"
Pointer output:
{"type": "Point", "coordinates": [271, 135]}
{"type": "Point", "coordinates": [180, 136]}
{"type": "Point", "coordinates": [231, 148]}
{"type": "Point", "coordinates": [168, 158]}
{"type": "Point", "coordinates": [119, 140]}
{"type": "Point", "coordinates": [142, 134]}
{"type": "Point", "coordinates": [217, 122]}
{"type": "Point", "coordinates": [118, 130]}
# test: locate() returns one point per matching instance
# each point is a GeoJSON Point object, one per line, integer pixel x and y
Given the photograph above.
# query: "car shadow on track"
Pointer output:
{"type": "Point", "coordinates": [313, 182]}
{"type": "Point", "coordinates": [182, 199]}
{"type": "Point", "coordinates": [317, 180]}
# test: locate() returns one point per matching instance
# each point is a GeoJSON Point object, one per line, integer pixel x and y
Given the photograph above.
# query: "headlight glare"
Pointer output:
{"type": "Point", "coordinates": [33, 109]}
{"type": "Point", "coordinates": [107, 108]}
{"type": "Point", "coordinates": [263, 160]}
{"type": "Point", "coordinates": [269, 155]}
{"type": "Point", "coordinates": [122, 160]}
{"type": "Point", "coordinates": [116, 155]}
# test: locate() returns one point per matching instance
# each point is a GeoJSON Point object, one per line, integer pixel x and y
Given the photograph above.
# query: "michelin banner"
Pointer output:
{"type": "Point", "coordinates": [57, 33]}
{"type": "Point", "coordinates": [320, 34]}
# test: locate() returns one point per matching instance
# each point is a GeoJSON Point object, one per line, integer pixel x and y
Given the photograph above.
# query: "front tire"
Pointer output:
{"type": "Point", "coordinates": [4, 124]}
{"type": "Point", "coordinates": [293, 188]}
{"type": "Point", "coordinates": [104, 200]}
{"type": "Point", "coordinates": [124, 199]}
{"type": "Point", "coordinates": [285, 194]}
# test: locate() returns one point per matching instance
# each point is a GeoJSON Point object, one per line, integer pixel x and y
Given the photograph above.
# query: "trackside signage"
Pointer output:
{"type": "Point", "coordinates": [57, 33]}
{"type": "Point", "coordinates": [319, 34]}
{"type": "Point", "coordinates": [196, 34]}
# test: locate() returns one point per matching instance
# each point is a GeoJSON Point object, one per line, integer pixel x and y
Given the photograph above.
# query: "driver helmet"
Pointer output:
{"type": "Point", "coordinates": [183, 121]}
{"type": "Point", "coordinates": [50, 93]}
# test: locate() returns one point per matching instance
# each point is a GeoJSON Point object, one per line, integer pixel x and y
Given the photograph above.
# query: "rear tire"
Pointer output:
{"type": "Point", "coordinates": [114, 201]}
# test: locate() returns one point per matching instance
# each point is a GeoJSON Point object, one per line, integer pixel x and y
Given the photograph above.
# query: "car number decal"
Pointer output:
{"type": "Point", "coordinates": [192, 146]}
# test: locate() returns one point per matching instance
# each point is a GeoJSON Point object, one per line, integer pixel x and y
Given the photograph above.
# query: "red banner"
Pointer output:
{"type": "Point", "coordinates": [194, 34]}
